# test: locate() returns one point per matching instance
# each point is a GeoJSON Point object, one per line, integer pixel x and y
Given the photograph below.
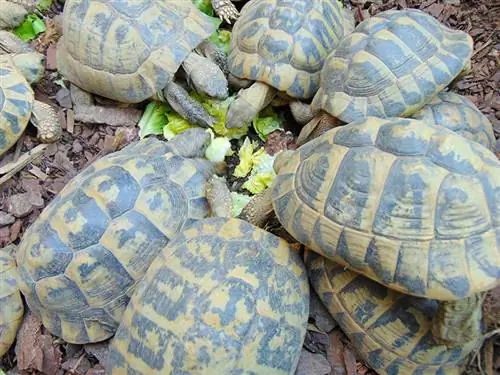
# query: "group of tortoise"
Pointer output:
{"type": "Point", "coordinates": [393, 193]}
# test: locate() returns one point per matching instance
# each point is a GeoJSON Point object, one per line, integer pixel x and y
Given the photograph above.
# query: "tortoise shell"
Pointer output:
{"type": "Point", "coordinates": [16, 103]}
{"type": "Point", "coordinates": [391, 65]}
{"type": "Point", "coordinates": [411, 205]}
{"type": "Point", "coordinates": [223, 297]}
{"type": "Point", "coordinates": [11, 304]}
{"type": "Point", "coordinates": [128, 50]}
{"type": "Point", "coordinates": [458, 113]}
{"type": "Point", "coordinates": [391, 331]}
{"type": "Point", "coordinates": [284, 43]}
{"type": "Point", "coordinates": [81, 259]}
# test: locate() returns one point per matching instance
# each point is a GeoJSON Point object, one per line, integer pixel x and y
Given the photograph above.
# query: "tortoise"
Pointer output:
{"type": "Point", "coordinates": [15, 11]}
{"type": "Point", "coordinates": [391, 331]}
{"type": "Point", "coordinates": [223, 297]}
{"type": "Point", "coordinates": [391, 65]}
{"type": "Point", "coordinates": [131, 52]}
{"type": "Point", "coordinates": [458, 113]}
{"type": "Point", "coordinates": [411, 205]}
{"type": "Point", "coordinates": [11, 304]}
{"type": "Point", "coordinates": [79, 262]}
{"type": "Point", "coordinates": [20, 67]}
{"type": "Point", "coordinates": [280, 46]}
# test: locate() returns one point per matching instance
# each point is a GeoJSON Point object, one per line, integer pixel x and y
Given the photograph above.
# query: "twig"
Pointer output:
{"type": "Point", "coordinates": [10, 169]}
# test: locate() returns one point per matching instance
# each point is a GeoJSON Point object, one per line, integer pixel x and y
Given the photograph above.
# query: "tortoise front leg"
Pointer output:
{"type": "Point", "coordinates": [219, 197]}
{"type": "Point", "coordinates": [259, 210]}
{"type": "Point", "coordinates": [225, 10]}
{"type": "Point", "coordinates": [187, 107]}
{"type": "Point", "coordinates": [45, 119]}
{"type": "Point", "coordinates": [458, 321]}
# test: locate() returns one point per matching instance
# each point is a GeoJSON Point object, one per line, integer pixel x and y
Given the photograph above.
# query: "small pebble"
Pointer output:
{"type": "Point", "coordinates": [6, 219]}
{"type": "Point", "coordinates": [19, 205]}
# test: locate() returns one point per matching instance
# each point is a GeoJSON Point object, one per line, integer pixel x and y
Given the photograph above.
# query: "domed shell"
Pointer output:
{"type": "Point", "coordinates": [411, 205]}
{"type": "Point", "coordinates": [81, 259]}
{"type": "Point", "coordinates": [128, 50]}
{"type": "Point", "coordinates": [391, 65]}
{"type": "Point", "coordinates": [458, 113]}
{"type": "Point", "coordinates": [224, 297]}
{"type": "Point", "coordinates": [284, 43]}
{"type": "Point", "coordinates": [16, 103]}
{"type": "Point", "coordinates": [390, 331]}
{"type": "Point", "coordinates": [11, 304]}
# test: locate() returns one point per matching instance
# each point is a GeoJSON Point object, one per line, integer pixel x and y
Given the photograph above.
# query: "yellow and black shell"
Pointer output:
{"type": "Point", "coordinates": [128, 50]}
{"type": "Point", "coordinates": [11, 304]}
{"type": "Point", "coordinates": [223, 297]}
{"type": "Point", "coordinates": [411, 205]}
{"type": "Point", "coordinates": [284, 43]}
{"type": "Point", "coordinates": [458, 113]}
{"type": "Point", "coordinates": [391, 65]}
{"type": "Point", "coordinates": [81, 259]}
{"type": "Point", "coordinates": [16, 103]}
{"type": "Point", "coordinates": [390, 330]}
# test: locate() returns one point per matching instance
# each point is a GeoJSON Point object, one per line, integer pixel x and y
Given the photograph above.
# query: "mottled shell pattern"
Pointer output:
{"type": "Point", "coordinates": [409, 204]}
{"type": "Point", "coordinates": [128, 50]}
{"type": "Point", "coordinates": [80, 261]}
{"type": "Point", "coordinates": [16, 103]}
{"type": "Point", "coordinates": [11, 304]}
{"type": "Point", "coordinates": [390, 330]}
{"type": "Point", "coordinates": [391, 65]}
{"type": "Point", "coordinates": [458, 113]}
{"type": "Point", "coordinates": [224, 297]}
{"type": "Point", "coordinates": [284, 43]}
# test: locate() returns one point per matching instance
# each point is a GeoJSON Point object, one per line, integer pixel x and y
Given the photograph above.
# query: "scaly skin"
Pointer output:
{"type": "Point", "coordinates": [215, 54]}
{"type": "Point", "coordinates": [206, 76]}
{"type": "Point", "coordinates": [185, 106]}
{"type": "Point", "coordinates": [226, 10]}
{"type": "Point", "coordinates": [12, 15]}
{"type": "Point", "coordinates": [248, 103]}
{"type": "Point", "coordinates": [45, 119]}
{"type": "Point", "coordinates": [219, 197]}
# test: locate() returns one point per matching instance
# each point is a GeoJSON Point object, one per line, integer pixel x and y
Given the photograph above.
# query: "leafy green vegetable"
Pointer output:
{"type": "Point", "coordinates": [44, 5]}
{"type": "Point", "coordinates": [218, 109]}
{"type": "Point", "coordinates": [30, 28]}
{"type": "Point", "coordinates": [262, 174]}
{"type": "Point", "coordinates": [246, 158]}
{"type": "Point", "coordinates": [205, 6]}
{"type": "Point", "coordinates": [221, 38]}
{"type": "Point", "coordinates": [153, 119]}
{"type": "Point", "coordinates": [267, 122]}
{"type": "Point", "coordinates": [239, 202]}
{"type": "Point", "coordinates": [176, 125]}
{"type": "Point", "coordinates": [218, 149]}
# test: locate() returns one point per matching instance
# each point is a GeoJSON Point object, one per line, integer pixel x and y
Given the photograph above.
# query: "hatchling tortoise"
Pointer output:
{"type": "Point", "coordinates": [15, 11]}
{"type": "Point", "coordinates": [458, 113]}
{"type": "Point", "coordinates": [130, 52]}
{"type": "Point", "coordinates": [21, 66]}
{"type": "Point", "coordinates": [391, 331]}
{"type": "Point", "coordinates": [79, 262]}
{"type": "Point", "coordinates": [11, 304]}
{"type": "Point", "coordinates": [280, 46]}
{"type": "Point", "coordinates": [408, 204]}
{"type": "Point", "coordinates": [391, 65]}
{"type": "Point", "coordinates": [223, 297]}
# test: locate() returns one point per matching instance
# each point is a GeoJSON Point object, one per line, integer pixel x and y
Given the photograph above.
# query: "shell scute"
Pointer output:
{"type": "Point", "coordinates": [222, 287]}
{"type": "Point", "coordinates": [377, 194]}
{"type": "Point", "coordinates": [390, 330]}
{"type": "Point", "coordinates": [80, 261]}
{"type": "Point", "coordinates": [391, 65]}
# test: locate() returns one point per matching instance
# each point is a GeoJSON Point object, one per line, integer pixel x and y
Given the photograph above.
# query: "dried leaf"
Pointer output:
{"type": "Point", "coordinates": [335, 354]}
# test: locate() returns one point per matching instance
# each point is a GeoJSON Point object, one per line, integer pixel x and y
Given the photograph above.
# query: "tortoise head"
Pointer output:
{"type": "Point", "coordinates": [191, 143]}
{"type": "Point", "coordinates": [30, 64]}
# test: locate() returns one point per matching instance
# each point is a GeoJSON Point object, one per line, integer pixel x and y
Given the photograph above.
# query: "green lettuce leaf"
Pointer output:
{"type": "Point", "coordinates": [176, 125]}
{"type": "Point", "coordinates": [153, 119]}
{"type": "Point", "coordinates": [267, 122]}
{"type": "Point", "coordinates": [221, 38]}
{"type": "Point", "coordinates": [31, 27]}
{"type": "Point", "coordinates": [239, 202]}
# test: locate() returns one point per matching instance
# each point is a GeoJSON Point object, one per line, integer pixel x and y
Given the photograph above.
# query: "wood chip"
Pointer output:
{"type": "Point", "coordinates": [335, 354]}
{"type": "Point", "coordinates": [70, 121]}
{"type": "Point", "coordinates": [37, 172]}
